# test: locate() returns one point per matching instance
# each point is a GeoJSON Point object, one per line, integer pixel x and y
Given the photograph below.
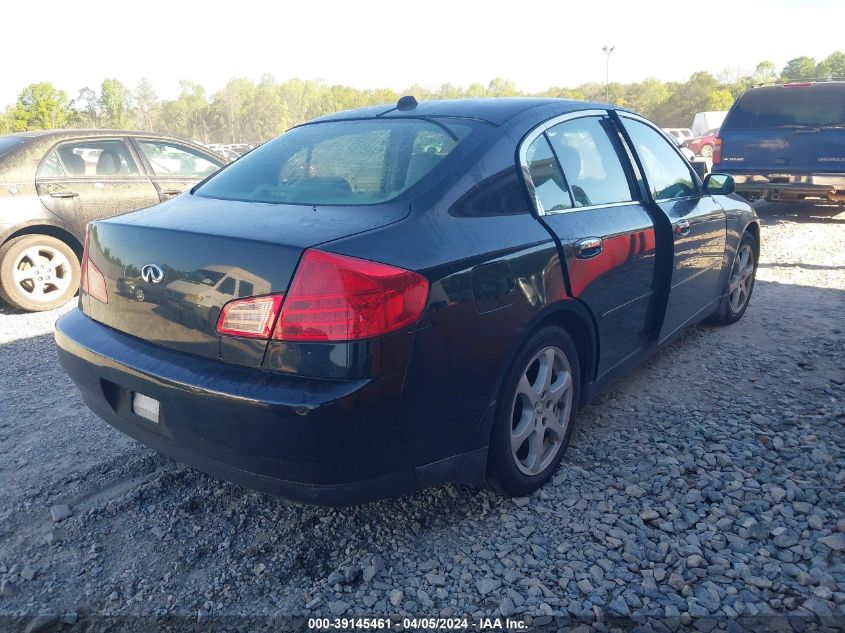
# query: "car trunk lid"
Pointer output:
{"type": "Point", "coordinates": [207, 253]}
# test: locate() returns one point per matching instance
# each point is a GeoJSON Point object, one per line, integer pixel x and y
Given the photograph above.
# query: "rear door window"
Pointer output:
{"type": "Point", "coordinates": [94, 158]}
{"type": "Point", "coordinates": [340, 162]}
{"type": "Point", "coordinates": [590, 161]}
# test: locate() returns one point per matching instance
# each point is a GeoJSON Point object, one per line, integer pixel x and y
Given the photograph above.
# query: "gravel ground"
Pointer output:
{"type": "Point", "coordinates": [705, 487]}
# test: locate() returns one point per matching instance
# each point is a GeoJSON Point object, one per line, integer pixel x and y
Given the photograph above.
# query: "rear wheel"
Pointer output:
{"type": "Point", "coordinates": [707, 151]}
{"type": "Point", "coordinates": [38, 272]}
{"type": "Point", "coordinates": [534, 414]}
{"type": "Point", "coordinates": [740, 282]}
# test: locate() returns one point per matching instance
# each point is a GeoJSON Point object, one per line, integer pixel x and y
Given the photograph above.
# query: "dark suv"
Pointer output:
{"type": "Point", "coordinates": [786, 142]}
{"type": "Point", "coordinates": [52, 183]}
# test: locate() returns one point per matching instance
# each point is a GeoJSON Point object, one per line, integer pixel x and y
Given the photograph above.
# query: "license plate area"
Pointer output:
{"type": "Point", "coordinates": [145, 407]}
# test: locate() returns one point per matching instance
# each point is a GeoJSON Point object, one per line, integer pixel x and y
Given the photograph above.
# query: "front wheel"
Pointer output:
{"type": "Point", "coordinates": [707, 151]}
{"type": "Point", "coordinates": [535, 413]}
{"type": "Point", "coordinates": [740, 282]}
{"type": "Point", "coordinates": [38, 272]}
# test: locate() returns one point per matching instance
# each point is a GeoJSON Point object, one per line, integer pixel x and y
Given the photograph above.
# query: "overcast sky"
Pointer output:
{"type": "Point", "coordinates": [374, 43]}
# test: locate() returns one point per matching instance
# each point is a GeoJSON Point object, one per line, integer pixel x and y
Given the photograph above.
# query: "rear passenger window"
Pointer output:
{"type": "Point", "coordinates": [549, 183]}
{"type": "Point", "coordinates": [590, 161]}
{"type": "Point", "coordinates": [94, 158]}
{"type": "Point", "coordinates": [667, 173]}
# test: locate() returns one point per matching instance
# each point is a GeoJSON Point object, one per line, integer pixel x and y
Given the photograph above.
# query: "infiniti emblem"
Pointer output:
{"type": "Point", "coordinates": [152, 274]}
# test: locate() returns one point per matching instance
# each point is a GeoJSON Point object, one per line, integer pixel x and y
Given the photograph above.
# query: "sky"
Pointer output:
{"type": "Point", "coordinates": [375, 43]}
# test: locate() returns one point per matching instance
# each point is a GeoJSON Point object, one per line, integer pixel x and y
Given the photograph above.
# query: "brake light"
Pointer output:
{"type": "Point", "coordinates": [92, 282]}
{"type": "Point", "coordinates": [717, 150]}
{"type": "Point", "coordinates": [253, 317]}
{"type": "Point", "coordinates": [798, 84]}
{"type": "Point", "coordinates": [339, 298]}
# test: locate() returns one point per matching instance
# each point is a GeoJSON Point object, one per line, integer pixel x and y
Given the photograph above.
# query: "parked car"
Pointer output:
{"type": "Point", "coordinates": [680, 134]}
{"type": "Point", "coordinates": [443, 285]}
{"type": "Point", "coordinates": [703, 145]}
{"type": "Point", "coordinates": [704, 121]}
{"type": "Point", "coordinates": [52, 183]}
{"type": "Point", "coordinates": [786, 142]}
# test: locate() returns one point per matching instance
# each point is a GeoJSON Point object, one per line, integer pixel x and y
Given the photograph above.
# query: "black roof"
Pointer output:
{"type": "Point", "coordinates": [495, 110]}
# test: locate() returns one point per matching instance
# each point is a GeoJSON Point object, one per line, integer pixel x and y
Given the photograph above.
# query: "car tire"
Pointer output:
{"type": "Point", "coordinates": [707, 151]}
{"type": "Point", "coordinates": [740, 283]}
{"type": "Point", "coordinates": [139, 295]}
{"type": "Point", "coordinates": [533, 423]}
{"type": "Point", "coordinates": [38, 272]}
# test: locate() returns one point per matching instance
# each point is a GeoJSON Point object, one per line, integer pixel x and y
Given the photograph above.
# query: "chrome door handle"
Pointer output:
{"type": "Point", "coordinates": [588, 247]}
{"type": "Point", "coordinates": [682, 228]}
{"type": "Point", "coordinates": [63, 194]}
{"type": "Point", "coordinates": [171, 192]}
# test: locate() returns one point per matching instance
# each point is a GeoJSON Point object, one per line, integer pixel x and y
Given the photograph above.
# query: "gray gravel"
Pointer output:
{"type": "Point", "coordinates": [705, 487]}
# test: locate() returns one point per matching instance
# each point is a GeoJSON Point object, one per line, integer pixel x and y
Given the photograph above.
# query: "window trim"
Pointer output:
{"type": "Point", "coordinates": [540, 130]}
{"type": "Point", "coordinates": [699, 190]}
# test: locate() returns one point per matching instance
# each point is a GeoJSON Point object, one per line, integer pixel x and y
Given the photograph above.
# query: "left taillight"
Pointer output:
{"type": "Point", "coordinates": [253, 317]}
{"type": "Point", "coordinates": [717, 150]}
{"type": "Point", "coordinates": [92, 281]}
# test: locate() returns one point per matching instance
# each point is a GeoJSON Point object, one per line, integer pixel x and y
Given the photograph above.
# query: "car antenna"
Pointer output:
{"type": "Point", "coordinates": [408, 102]}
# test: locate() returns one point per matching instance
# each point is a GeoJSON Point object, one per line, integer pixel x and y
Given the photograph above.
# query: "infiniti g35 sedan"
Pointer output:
{"type": "Point", "coordinates": [395, 297]}
{"type": "Point", "coordinates": [53, 182]}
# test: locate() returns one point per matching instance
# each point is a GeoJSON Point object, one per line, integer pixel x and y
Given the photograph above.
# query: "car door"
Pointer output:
{"type": "Point", "coordinates": [175, 167]}
{"type": "Point", "coordinates": [87, 179]}
{"type": "Point", "coordinates": [699, 225]}
{"type": "Point", "coordinates": [585, 193]}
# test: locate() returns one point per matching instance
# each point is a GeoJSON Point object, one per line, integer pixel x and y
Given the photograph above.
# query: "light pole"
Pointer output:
{"type": "Point", "coordinates": [607, 51]}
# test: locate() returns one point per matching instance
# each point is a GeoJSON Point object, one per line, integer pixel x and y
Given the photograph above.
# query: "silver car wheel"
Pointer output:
{"type": "Point", "coordinates": [742, 276]}
{"type": "Point", "coordinates": [541, 411]}
{"type": "Point", "coordinates": [42, 273]}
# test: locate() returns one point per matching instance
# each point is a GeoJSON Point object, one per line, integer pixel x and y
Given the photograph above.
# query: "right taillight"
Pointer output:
{"type": "Point", "coordinates": [92, 282]}
{"type": "Point", "coordinates": [340, 298]}
{"type": "Point", "coordinates": [717, 150]}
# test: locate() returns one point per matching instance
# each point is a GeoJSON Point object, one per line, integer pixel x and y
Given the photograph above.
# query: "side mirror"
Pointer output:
{"type": "Point", "coordinates": [719, 184]}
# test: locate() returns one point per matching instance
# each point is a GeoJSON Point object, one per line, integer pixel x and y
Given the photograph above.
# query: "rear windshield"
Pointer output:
{"type": "Point", "coordinates": [8, 143]}
{"type": "Point", "coordinates": [818, 105]}
{"type": "Point", "coordinates": [339, 163]}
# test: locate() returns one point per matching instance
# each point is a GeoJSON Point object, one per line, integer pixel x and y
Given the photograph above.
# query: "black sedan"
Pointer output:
{"type": "Point", "coordinates": [407, 295]}
{"type": "Point", "coordinates": [53, 182]}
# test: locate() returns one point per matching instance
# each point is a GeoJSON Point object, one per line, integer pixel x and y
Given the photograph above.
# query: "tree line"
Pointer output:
{"type": "Point", "coordinates": [244, 111]}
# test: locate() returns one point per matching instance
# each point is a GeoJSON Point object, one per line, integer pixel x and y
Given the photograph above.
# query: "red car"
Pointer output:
{"type": "Point", "coordinates": [703, 145]}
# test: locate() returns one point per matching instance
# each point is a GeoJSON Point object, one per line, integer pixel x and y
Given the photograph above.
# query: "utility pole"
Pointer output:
{"type": "Point", "coordinates": [607, 51]}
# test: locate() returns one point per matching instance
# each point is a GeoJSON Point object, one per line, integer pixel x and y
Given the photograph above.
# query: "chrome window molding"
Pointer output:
{"type": "Point", "coordinates": [536, 133]}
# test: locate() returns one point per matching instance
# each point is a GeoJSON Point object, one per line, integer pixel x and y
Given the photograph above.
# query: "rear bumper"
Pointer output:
{"type": "Point", "coordinates": [773, 186]}
{"type": "Point", "coordinates": [327, 442]}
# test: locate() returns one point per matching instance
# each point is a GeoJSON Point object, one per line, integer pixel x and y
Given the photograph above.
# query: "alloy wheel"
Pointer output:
{"type": "Point", "coordinates": [742, 276]}
{"type": "Point", "coordinates": [42, 273]}
{"type": "Point", "coordinates": [541, 410]}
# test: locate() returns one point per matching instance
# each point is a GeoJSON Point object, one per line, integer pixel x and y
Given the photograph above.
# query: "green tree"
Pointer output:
{"type": "Point", "coordinates": [147, 112]}
{"type": "Point", "coordinates": [86, 108]}
{"type": "Point", "coordinates": [230, 106]}
{"type": "Point", "coordinates": [116, 102]}
{"type": "Point", "coordinates": [720, 99]}
{"type": "Point", "coordinates": [41, 106]}
{"type": "Point", "coordinates": [799, 68]}
{"type": "Point", "coordinates": [765, 72]}
{"type": "Point", "coordinates": [832, 66]}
